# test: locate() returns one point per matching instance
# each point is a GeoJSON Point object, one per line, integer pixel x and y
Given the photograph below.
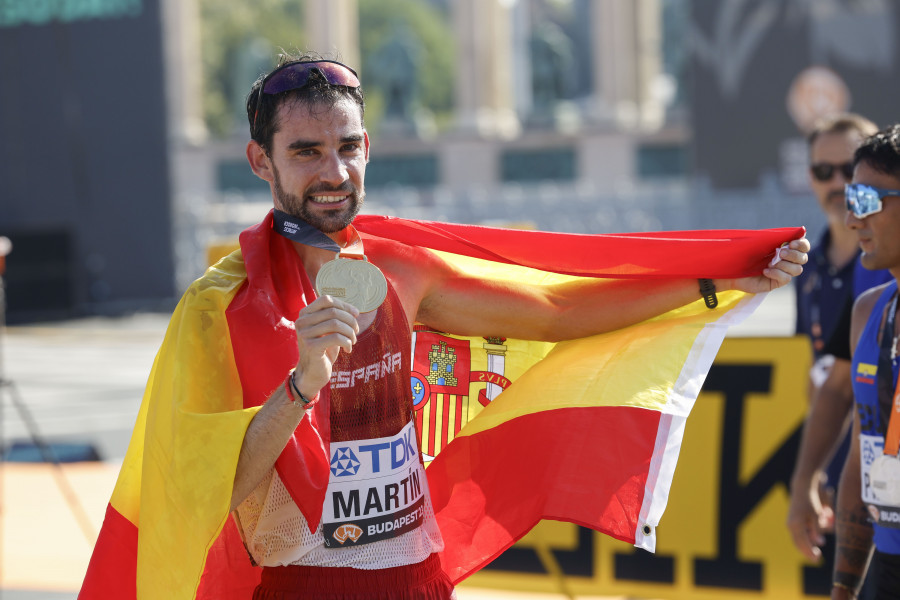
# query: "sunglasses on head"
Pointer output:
{"type": "Point", "coordinates": [295, 75]}
{"type": "Point", "coordinates": [824, 171]}
{"type": "Point", "coordinates": [864, 200]}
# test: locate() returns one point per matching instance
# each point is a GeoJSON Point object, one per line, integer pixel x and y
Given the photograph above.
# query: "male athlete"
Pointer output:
{"type": "Point", "coordinates": [310, 144]}
{"type": "Point", "coordinates": [867, 521]}
{"type": "Point", "coordinates": [282, 393]}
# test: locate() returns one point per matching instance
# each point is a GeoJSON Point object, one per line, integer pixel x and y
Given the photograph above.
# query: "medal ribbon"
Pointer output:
{"type": "Point", "coordinates": [302, 232]}
{"type": "Point", "coordinates": [886, 361]}
{"type": "Point", "coordinates": [366, 291]}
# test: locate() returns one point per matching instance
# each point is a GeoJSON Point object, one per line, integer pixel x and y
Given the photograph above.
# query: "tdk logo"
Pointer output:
{"type": "Point", "coordinates": [344, 462]}
{"type": "Point", "coordinates": [392, 455]}
{"type": "Point", "coordinates": [373, 457]}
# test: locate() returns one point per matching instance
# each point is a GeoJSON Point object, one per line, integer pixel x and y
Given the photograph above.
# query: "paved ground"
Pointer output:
{"type": "Point", "coordinates": [80, 382]}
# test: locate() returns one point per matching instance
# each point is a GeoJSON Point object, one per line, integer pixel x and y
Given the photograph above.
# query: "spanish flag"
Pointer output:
{"type": "Point", "coordinates": [586, 431]}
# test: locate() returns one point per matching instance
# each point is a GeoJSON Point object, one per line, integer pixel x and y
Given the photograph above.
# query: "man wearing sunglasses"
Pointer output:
{"type": "Point", "coordinates": [825, 293]}
{"type": "Point", "coordinates": [868, 503]}
{"type": "Point", "coordinates": [824, 285]}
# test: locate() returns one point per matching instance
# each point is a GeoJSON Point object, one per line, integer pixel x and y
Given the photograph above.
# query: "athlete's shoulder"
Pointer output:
{"type": "Point", "coordinates": [393, 255]}
{"type": "Point", "coordinates": [867, 300]}
{"type": "Point", "coordinates": [862, 310]}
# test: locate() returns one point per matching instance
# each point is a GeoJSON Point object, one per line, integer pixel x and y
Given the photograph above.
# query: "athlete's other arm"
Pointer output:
{"type": "Point", "coordinates": [822, 432]}
{"type": "Point", "coordinates": [851, 526]}
{"type": "Point", "coordinates": [457, 303]}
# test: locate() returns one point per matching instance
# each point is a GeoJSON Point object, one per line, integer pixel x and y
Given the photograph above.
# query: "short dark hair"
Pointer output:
{"type": "Point", "coordinates": [842, 123]}
{"type": "Point", "coordinates": [881, 151]}
{"type": "Point", "coordinates": [317, 90]}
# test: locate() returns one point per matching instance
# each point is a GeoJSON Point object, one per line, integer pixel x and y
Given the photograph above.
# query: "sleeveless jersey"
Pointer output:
{"type": "Point", "coordinates": [874, 416]}
{"type": "Point", "coordinates": [377, 511]}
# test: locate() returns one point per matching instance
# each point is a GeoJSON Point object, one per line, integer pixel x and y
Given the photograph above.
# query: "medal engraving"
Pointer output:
{"type": "Point", "coordinates": [358, 282]}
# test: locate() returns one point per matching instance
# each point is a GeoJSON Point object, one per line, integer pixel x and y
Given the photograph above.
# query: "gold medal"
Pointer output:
{"type": "Point", "coordinates": [358, 282]}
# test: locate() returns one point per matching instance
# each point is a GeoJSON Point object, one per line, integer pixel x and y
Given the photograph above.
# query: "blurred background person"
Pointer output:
{"type": "Point", "coordinates": [825, 293]}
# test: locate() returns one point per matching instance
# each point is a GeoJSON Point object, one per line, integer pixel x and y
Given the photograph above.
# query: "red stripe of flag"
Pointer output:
{"type": "Point", "coordinates": [541, 467]}
{"type": "Point", "coordinates": [112, 572]}
{"type": "Point", "coordinates": [435, 403]}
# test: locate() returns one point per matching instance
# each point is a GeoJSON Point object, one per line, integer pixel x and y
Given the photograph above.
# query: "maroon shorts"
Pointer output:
{"type": "Point", "coordinates": [422, 581]}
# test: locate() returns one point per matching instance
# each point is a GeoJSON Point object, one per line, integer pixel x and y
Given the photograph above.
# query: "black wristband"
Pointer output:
{"type": "Point", "coordinates": [708, 291]}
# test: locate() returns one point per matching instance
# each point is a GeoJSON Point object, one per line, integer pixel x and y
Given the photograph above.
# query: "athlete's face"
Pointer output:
{"type": "Point", "coordinates": [317, 163]}
{"type": "Point", "coordinates": [878, 233]}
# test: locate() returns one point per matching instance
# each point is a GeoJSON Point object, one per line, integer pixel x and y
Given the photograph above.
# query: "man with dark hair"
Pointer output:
{"type": "Point", "coordinates": [315, 164]}
{"type": "Point", "coordinates": [868, 503]}
{"type": "Point", "coordinates": [325, 91]}
{"type": "Point", "coordinates": [825, 293]}
{"type": "Point", "coordinates": [305, 338]}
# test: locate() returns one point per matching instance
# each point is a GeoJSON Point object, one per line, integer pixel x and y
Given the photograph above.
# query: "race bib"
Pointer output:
{"type": "Point", "coordinates": [880, 482]}
{"type": "Point", "coordinates": [376, 490]}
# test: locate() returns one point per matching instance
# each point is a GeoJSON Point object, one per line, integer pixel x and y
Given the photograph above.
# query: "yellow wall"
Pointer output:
{"type": "Point", "coordinates": [723, 533]}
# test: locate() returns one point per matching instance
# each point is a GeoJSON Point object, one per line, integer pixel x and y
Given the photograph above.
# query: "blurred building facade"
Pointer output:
{"type": "Point", "coordinates": [559, 111]}
{"type": "Point", "coordinates": [84, 184]}
{"type": "Point", "coordinates": [568, 115]}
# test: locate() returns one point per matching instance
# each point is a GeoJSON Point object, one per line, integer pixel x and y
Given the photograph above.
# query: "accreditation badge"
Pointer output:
{"type": "Point", "coordinates": [881, 482]}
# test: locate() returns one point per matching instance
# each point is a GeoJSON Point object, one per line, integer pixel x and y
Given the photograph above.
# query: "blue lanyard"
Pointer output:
{"type": "Point", "coordinates": [300, 231]}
